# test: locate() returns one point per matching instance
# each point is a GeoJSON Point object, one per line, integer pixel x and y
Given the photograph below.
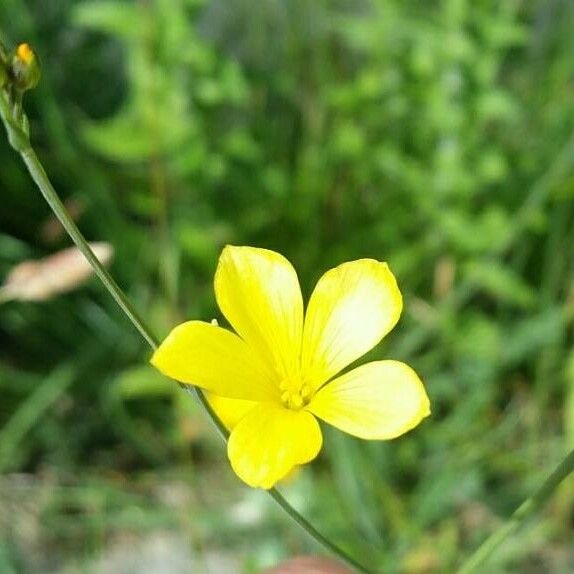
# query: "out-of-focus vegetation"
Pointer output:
{"type": "Point", "coordinates": [436, 135]}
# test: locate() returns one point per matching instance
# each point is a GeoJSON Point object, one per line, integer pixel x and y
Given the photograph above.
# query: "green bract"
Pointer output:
{"type": "Point", "coordinates": [3, 67]}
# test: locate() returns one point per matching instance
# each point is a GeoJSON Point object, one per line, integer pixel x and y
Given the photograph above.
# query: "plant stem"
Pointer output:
{"type": "Point", "coordinates": [310, 529]}
{"type": "Point", "coordinates": [44, 185]}
{"type": "Point", "coordinates": [41, 179]}
{"type": "Point", "coordinates": [529, 507]}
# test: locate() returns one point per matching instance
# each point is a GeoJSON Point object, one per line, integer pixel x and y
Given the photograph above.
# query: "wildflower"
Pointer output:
{"type": "Point", "coordinates": [274, 378]}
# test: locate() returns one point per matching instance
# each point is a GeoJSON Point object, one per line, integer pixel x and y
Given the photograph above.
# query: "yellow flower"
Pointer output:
{"type": "Point", "coordinates": [274, 378]}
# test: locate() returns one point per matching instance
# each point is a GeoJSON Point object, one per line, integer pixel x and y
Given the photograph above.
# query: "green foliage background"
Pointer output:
{"type": "Point", "coordinates": [436, 135]}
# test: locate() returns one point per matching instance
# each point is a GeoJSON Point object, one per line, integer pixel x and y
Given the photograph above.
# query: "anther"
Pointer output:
{"type": "Point", "coordinates": [296, 401]}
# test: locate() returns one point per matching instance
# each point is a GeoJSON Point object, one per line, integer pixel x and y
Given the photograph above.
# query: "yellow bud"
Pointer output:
{"type": "Point", "coordinates": [25, 53]}
{"type": "Point", "coordinates": [25, 68]}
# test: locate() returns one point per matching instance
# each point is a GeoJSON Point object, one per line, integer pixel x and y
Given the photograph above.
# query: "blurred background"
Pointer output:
{"type": "Point", "coordinates": [438, 136]}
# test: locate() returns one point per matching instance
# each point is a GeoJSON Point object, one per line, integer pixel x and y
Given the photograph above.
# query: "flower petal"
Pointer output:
{"type": "Point", "coordinates": [258, 292]}
{"type": "Point", "coordinates": [351, 309]}
{"type": "Point", "coordinates": [230, 411]}
{"type": "Point", "coordinates": [269, 441]}
{"type": "Point", "coordinates": [214, 359]}
{"type": "Point", "coordinates": [379, 400]}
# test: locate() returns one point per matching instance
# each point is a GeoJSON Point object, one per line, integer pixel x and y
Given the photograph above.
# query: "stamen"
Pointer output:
{"type": "Point", "coordinates": [296, 401]}
{"type": "Point", "coordinates": [294, 395]}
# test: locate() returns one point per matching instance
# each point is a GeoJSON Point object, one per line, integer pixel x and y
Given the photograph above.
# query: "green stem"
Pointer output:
{"type": "Point", "coordinates": [44, 185]}
{"type": "Point", "coordinates": [310, 529]}
{"type": "Point", "coordinates": [41, 179]}
{"type": "Point", "coordinates": [529, 507]}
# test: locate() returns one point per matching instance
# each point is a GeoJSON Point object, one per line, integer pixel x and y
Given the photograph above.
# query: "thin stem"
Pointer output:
{"type": "Point", "coordinates": [44, 185]}
{"type": "Point", "coordinates": [529, 507]}
{"type": "Point", "coordinates": [220, 427]}
{"type": "Point", "coordinates": [41, 179]}
{"type": "Point", "coordinates": [312, 531]}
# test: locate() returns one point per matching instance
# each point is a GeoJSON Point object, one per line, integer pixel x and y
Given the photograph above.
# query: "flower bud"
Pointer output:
{"type": "Point", "coordinates": [25, 68]}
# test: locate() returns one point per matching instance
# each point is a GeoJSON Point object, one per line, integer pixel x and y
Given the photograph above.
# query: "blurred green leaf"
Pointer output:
{"type": "Point", "coordinates": [117, 18]}
{"type": "Point", "coordinates": [144, 382]}
{"type": "Point", "coordinates": [501, 283]}
{"type": "Point", "coordinates": [532, 334]}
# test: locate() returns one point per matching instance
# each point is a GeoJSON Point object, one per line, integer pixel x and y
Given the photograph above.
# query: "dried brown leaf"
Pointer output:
{"type": "Point", "coordinates": [43, 279]}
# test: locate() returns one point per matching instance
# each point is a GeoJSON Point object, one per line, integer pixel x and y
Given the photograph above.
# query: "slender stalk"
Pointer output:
{"type": "Point", "coordinates": [38, 174]}
{"type": "Point", "coordinates": [312, 531]}
{"type": "Point", "coordinates": [220, 427]}
{"type": "Point", "coordinates": [44, 185]}
{"type": "Point", "coordinates": [528, 508]}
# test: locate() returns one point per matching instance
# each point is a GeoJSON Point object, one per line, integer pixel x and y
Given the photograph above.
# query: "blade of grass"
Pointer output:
{"type": "Point", "coordinates": [31, 410]}
{"type": "Point", "coordinates": [527, 509]}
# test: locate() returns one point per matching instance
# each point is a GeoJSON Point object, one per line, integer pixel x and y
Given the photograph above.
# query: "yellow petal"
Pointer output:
{"type": "Point", "coordinates": [258, 292]}
{"type": "Point", "coordinates": [379, 400]}
{"type": "Point", "coordinates": [214, 359]}
{"type": "Point", "coordinates": [351, 309]}
{"type": "Point", "coordinates": [230, 411]}
{"type": "Point", "coordinates": [269, 441]}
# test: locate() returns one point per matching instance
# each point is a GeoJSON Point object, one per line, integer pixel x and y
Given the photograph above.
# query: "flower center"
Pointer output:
{"type": "Point", "coordinates": [294, 394]}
